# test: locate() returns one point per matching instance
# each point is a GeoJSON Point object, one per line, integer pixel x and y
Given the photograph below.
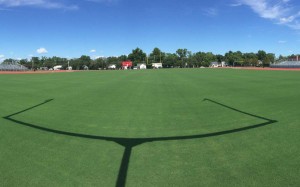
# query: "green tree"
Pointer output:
{"type": "Point", "coordinates": [23, 62]}
{"type": "Point", "coordinates": [220, 58]}
{"type": "Point", "coordinates": [250, 59]}
{"type": "Point", "coordinates": [261, 54]}
{"type": "Point", "coordinates": [156, 56]}
{"type": "Point", "coordinates": [170, 60]}
{"type": "Point", "coordinates": [209, 57]}
{"type": "Point", "coordinates": [229, 58]}
{"type": "Point", "coordinates": [266, 61]}
{"type": "Point", "coordinates": [182, 54]}
{"type": "Point", "coordinates": [84, 60]}
{"type": "Point", "coordinates": [35, 63]}
{"type": "Point", "coordinates": [199, 59]}
{"type": "Point", "coordinates": [122, 58]}
{"type": "Point", "coordinates": [137, 56]}
{"type": "Point", "coordinates": [8, 61]}
{"type": "Point", "coordinates": [271, 56]}
{"type": "Point", "coordinates": [234, 58]}
{"type": "Point", "coordinates": [112, 60]}
{"type": "Point", "coordinates": [100, 62]}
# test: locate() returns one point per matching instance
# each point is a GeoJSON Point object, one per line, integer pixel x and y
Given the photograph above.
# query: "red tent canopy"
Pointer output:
{"type": "Point", "coordinates": [127, 63]}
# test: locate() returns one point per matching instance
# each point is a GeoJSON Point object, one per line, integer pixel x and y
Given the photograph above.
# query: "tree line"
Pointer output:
{"type": "Point", "coordinates": [182, 58]}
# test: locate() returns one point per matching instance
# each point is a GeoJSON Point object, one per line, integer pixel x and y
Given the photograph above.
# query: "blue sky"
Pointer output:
{"type": "Point", "coordinates": [71, 28]}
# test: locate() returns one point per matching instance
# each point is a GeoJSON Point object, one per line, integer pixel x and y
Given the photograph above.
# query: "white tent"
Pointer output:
{"type": "Point", "coordinates": [143, 66]}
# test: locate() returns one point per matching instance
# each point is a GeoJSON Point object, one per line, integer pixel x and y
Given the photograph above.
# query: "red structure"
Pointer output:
{"type": "Point", "coordinates": [126, 64]}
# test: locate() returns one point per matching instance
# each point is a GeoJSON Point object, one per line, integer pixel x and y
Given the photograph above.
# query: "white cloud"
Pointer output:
{"type": "Point", "coordinates": [41, 50]}
{"type": "Point", "coordinates": [93, 51]}
{"type": "Point", "coordinates": [50, 4]}
{"type": "Point", "coordinates": [279, 11]}
{"type": "Point", "coordinates": [211, 12]}
{"type": "Point", "coordinates": [266, 9]}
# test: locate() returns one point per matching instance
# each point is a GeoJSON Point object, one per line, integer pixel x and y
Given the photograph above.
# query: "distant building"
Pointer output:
{"type": "Point", "coordinates": [294, 58]}
{"type": "Point", "coordinates": [157, 65]}
{"type": "Point", "coordinates": [126, 64]}
{"type": "Point", "coordinates": [58, 67]}
{"type": "Point", "coordinates": [223, 64]}
{"type": "Point", "coordinates": [112, 66]}
{"type": "Point", "coordinates": [215, 64]}
{"type": "Point", "coordinates": [142, 66]}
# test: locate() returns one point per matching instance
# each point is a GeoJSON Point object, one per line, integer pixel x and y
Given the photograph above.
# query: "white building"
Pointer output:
{"type": "Point", "coordinates": [58, 67]}
{"type": "Point", "coordinates": [112, 66]}
{"type": "Point", "coordinates": [223, 64]}
{"type": "Point", "coordinates": [214, 64]}
{"type": "Point", "coordinates": [157, 65]}
{"type": "Point", "coordinates": [141, 66]}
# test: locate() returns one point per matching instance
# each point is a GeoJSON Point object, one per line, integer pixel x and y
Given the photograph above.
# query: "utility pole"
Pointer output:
{"type": "Point", "coordinates": [32, 63]}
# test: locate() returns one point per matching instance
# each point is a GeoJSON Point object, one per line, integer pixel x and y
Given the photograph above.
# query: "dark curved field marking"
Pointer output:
{"type": "Point", "coordinates": [130, 143]}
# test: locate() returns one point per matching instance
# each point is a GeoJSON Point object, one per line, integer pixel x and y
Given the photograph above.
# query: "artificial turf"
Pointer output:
{"type": "Point", "coordinates": [144, 108]}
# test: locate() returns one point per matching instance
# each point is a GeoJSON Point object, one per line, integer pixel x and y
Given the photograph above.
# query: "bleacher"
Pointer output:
{"type": "Point", "coordinates": [286, 64]}
{"type": "Point", "coordinates": [12, 67]}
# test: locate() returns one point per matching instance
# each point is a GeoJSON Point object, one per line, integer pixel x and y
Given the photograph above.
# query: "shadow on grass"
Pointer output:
{"type": "Point", "coordinates": [130, 143]}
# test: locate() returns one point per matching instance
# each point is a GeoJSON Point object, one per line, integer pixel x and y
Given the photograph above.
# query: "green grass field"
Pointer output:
{"type": "Point", "coordinates": [177, 127]}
